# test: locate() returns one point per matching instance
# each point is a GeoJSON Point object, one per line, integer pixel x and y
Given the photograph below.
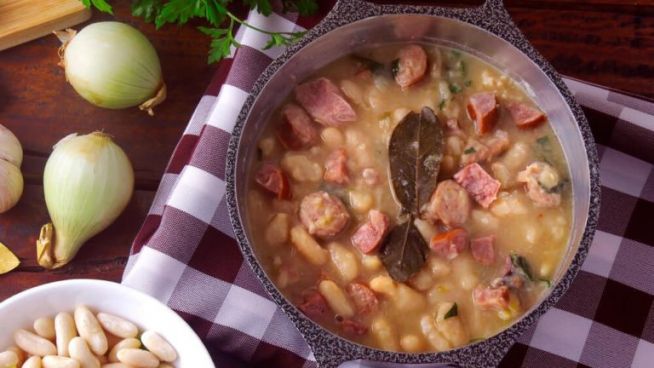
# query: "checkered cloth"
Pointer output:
{"type": "Point", "coordinates": [186, 256]}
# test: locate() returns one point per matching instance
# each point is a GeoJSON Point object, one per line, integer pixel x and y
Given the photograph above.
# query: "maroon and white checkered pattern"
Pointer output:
{"type": "Point", "coordinates": [186, 256]}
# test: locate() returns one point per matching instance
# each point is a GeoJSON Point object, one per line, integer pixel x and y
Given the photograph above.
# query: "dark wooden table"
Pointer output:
{"type": "Point", "coordinates": [609, 42]}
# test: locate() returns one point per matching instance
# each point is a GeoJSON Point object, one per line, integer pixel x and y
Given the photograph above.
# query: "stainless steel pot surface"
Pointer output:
{"type": "Point", "coordinates": [486, 32]}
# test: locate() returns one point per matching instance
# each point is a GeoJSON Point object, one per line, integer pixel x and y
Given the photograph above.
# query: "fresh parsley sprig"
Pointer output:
{"type": "Point", "coordinates": [222, 22]}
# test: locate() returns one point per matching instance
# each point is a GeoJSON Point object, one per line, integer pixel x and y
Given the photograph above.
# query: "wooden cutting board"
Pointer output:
{"type": "Point", "coordinates": [25, 20]}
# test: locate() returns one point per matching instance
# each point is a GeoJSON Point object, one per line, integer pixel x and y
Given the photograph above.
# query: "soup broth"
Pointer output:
{"type": "Point", "coordinates": [429, 272]}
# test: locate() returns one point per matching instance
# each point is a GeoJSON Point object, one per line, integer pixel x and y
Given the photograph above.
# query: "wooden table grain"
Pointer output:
{"type": "Point", "coordinates": [608, 42]}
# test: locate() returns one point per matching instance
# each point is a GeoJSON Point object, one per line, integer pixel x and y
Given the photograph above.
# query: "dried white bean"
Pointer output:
{"type": "Point", "coordinates": [65, 330]}
{"type": "Point", "coordinates": [117, 326]}
{"type": "Point", "coordinates": [165, 365]}
{"type": "Point", "coordinates": [32, 362]}
{"type": "Point", "coordinates": [89, 328]}
{"type": "Point", "coordinates": [33, 344]}
{"type": "Point", "coordinates": [138, 358]}
{"type": "Point", "coordinates": [52, 361]}
{"type": "Point", "coordinates": [115, 365]}
{"type": "Point", "coordinates": [102, 359]}
{"type": "Point", "coordinates": [44, 327]}
{"type": "Point", "coordinates": [8, 359]}
{"type": "Point", "coordinates": [158, 346]}
{"type": "Point", "coordinates": [19, 353]}
{"type": "Point", "coordinates": [124, 344]}
{"type": "Point", "coordinates": [79, 350]}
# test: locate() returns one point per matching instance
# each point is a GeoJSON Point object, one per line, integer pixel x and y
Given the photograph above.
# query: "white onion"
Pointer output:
{"type": "Point", "coordinates": [112, 65]}
{"type": "Point", "coordinates": [88, 181]}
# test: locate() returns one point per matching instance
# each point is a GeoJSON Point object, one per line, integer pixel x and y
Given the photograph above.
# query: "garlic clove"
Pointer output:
{"type": "Point", "coordinates": [11, 185]}
{"type": "Point", "coordinates": [8, 261]}
{"type": "Point", "coordinates": [10, 148]}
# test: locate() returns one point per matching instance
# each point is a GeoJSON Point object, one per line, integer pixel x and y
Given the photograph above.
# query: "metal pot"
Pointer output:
{"type": "Point", "coordinates": [486, 32]}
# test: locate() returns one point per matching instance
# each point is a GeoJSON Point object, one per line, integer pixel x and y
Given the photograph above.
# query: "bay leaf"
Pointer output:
{"type": "Point", "coordinates": [415, 152]}
{"type": "Point", "coordinates": [404, 251]}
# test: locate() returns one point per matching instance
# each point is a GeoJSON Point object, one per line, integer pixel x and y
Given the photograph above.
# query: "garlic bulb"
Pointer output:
{"type": "Point", "coordinates": [11, 179]}
{"type": "Point", "coordinates": [10, 148]}
{"type": "Point", "coordinates": [88, 181]}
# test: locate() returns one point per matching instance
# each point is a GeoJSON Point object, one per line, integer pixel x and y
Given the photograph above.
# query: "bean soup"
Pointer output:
{"type": "Point", "coordinates": [410, 198]}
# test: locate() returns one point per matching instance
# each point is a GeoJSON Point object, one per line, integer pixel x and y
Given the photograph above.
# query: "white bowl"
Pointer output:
{"type": "Point", "coordinates": [146, 312]}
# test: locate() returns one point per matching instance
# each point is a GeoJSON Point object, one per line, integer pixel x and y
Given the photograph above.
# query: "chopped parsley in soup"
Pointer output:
{"type": "Point", "coordinates": [410, 198]}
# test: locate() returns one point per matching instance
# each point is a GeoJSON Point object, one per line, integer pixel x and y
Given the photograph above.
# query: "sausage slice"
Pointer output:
{"type": "Point", "coordinates": [478, 183]}
{"type": "Point", "coordinates": [370, 235]}
{"type": "Point", "coordinates": [323, 214]}
{"type": "Point", "coordinates": [483, 250]}
{"type": "Point", "coordinates": [449, 203]}
{"type": "Point", "coordinates": [491, 298]}
{"type": "Point", "coordinates": [410, 66]}
{"type": "Point", "coordinates": [297, 131]}
{"type": "Point", "coordinates": [325, 102]}
{"type": "Point", "coordinates": [336, 167]}
{"type": "Point", "coordinates": [364, 299]}
{"type": "Point", "coordinates": [272, 178]}
{"type": "Point", "coordinates": [314, 305]}
{"type": "Point", "coordinates": [525, 116]}
{"type": "Point", "coordinates": [449, 244]}
{"type": "Point", "coordinates": [542, 183]}
{"type": "Point", "coordinates": [482, 108]}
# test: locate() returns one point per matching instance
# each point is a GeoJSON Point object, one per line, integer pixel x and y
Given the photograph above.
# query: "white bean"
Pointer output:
{"type": "Point", "coordinates": [79, 350]}
{"type": "Point", "coordinates": [102, 359]}
{"type": "Point", "coordinates": [411, 343]}
{"type": "Point", "coordinates": [383, 333]}
{"type": "Point", "coordinates": [44, 327]}
{"type": "Point", "coordinates": [332, 137]}
{"type": "Point", "coordinates": [451, 328]}
{"type": "Point", "coordinates": [158, 346]}
{"type": "Point", "coordinates": [336, 298]}
{"type": "Point", "coordinates": [345, 261]}
{"type": "Point", "coordinates": [117, 326]}
{"type": "Point", "coordinates": [308, 246]}
{"type": "Point", "coordinates": [361, 202]}
{"type": "Point", "coordinates": [138, 358]}
{"type": "Point", "coordinates": [371, 263]}
{"type": "Point", "coordinates": [8, 359]}
{"type": "Point", "coordinates": [32, 362]}
{"type": "Point", "coordinates": [64, 330]}
{"type": "Point", "coordinates": [123, 344]}
{"type": "Point", "coordinates": [19, 353]}
{"type": "Point", "coordinates": [115, 365]}
{"type": "Point", "coordinates": [383, 285]}
{"type": "Point", "coordinates": [89, 328]}
{"type": "Point", "coordinates": [33, 344]}
{"type": "Point", "coordinates": [408, 300]}
{"type": "Point", "coordinates": [277, 229]}
{"type": "Point", "coordinates": [165, 365]}
{"type": "Point", "coordinates": [301, 167]}
{"type": "Point", "coordinates": [52, 361]}
{"type": "Point", "coordinates": [435, 338]}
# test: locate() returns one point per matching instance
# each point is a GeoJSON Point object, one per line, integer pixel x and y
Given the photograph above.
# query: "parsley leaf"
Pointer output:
{"type": "Point", "coordinates": [221, 44]}
{"type": "Point", "coordinates": [262, 6]}
{"type": "Point", "coordinates": [101, 5]}
{"type": "Point", "coordinates": [147, 9]}
{"type": "Point", "coordinates": [469, 150]}
{"type": "Point", "coordinates": [454, 88]}
{"type": "Point", "coordinates": [441, 104]}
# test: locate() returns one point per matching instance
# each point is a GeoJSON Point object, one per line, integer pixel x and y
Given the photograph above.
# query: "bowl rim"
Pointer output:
{"type": "Point", "coordinates": [493, 19]}
{"type": "Point", "coordinates": [138, 295]}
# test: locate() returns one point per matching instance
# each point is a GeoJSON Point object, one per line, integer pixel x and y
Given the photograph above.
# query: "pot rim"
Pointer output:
{"type": "Point", "coordinates": [330, 349]}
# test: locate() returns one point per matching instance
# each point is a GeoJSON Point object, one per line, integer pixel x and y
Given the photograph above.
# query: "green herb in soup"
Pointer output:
{"type": "Point", "coordinates": [410, 198]}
